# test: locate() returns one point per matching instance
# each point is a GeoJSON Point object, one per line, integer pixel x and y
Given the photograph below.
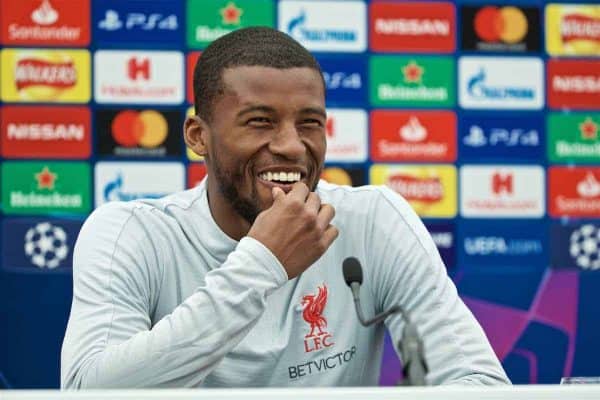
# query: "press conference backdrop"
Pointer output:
{"type": "Point", "coordinates": [485, 117]}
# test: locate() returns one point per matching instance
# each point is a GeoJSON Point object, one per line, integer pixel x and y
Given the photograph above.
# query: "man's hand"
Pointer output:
{"type": "Point", "coordinates": [296, 228]}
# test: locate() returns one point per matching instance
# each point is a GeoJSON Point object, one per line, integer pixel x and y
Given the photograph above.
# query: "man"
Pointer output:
{"type": "Point", "coordinates": [238, 282]}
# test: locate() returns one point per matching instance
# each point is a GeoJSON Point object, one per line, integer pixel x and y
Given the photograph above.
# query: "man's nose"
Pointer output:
{"type": "Point", "coordinates": [286, 142]}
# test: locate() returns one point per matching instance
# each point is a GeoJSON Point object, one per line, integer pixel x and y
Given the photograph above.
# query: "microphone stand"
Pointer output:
{"type": "Point", "coordinates": [414, 366]}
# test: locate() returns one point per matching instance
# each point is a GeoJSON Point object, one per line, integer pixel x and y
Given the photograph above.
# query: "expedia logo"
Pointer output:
{"type": "Point", "coordinates": [37, 72]}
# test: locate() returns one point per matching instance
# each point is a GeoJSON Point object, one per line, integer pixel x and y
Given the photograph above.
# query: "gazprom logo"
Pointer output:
{"type": "Point", "coordinates": [297, 28]}
{"type": "Point", "coordinates": [478, 88]}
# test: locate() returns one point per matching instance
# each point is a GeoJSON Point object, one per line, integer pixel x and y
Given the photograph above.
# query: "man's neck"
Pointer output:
{"type": "Point", "coordinates": [230, 222]}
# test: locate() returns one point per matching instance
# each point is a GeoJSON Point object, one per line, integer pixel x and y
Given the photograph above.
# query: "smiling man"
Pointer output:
{"type": "Point", "coordinates": [238, 281]}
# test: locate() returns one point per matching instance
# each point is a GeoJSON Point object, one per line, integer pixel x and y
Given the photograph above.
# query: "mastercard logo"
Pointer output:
{"type": "Point", "coordinates": [501, 24]}
{"type": "Point", "coordinates": [146, 129]}
{"type": "Point", "coordinates": [336, 176]}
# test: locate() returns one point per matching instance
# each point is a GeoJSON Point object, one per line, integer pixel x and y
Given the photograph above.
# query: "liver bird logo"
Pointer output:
{"type": "Point", "coordinates": [313, 306]}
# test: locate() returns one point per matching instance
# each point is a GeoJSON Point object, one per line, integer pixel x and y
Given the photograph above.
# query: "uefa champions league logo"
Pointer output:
{"type": "Point", "coordinates": [46, 245]}
{"type": "Point", "coordinates": [584, 247]}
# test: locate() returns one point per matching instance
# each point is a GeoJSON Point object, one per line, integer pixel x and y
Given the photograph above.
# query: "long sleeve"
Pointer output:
{"type": "Point", "coordinates": [409, 271]}
{"type": "Point", "coordinates": [116, 276]}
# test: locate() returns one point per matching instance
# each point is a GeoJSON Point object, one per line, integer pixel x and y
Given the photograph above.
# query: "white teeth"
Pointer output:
{"type": "Point", "coordinates": [280, 176]}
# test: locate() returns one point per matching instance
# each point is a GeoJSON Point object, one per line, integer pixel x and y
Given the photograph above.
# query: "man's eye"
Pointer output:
{"type": "Point", "coordinates": [259, 121]}
{"type": "Point", "coordinates": [312, 123]}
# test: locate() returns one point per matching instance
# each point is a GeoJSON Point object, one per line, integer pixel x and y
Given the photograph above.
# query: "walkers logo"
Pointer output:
{"type": "Point", "coordinates": [501, 137]}
{"type": "Point", "coordinates": [32, 75]}
{"type": "Point", "coordinates": [576, 246]}
{"type": "Point", "coordinates": [502, 191]}
{"type": "Point", "coordinates": [45, 132]}
{"type": "Point", "coordinates": [507, 83]}
{"type": "Point", "coordinates": [574, 84]}
{"type": "Point", "coordinates": [503, 243]}
{"type": "Point", "coordinates": [313, 306]}
{"type": "Point", "coordinates": [413, 136]}
{"type": "Point", "coordinates": [344, 176]}
{"type": "Point", "coordinates": [574, 192]}
{"type": "Point", "coordinates": [430, 189]}
{"type": "Point", "coordinates": [45, 187]}
{"type": "Point", "coordinates": [124, 181]}
{"type": "Point", "coordinates": [493, 28]}
{"type": "Point", "coordinates": [191, 60]}
{"type": "Point", "coordinates": [412, 81]}
{"type": "Point", "coordinates": [574, 137]}
{"type": "Point", "coordinates": [443, 237]}
{"type": "Point", "coordinates": [195, 174]}
{"type": "Point", "coordinates": [143, 133]}
{"type": "Point", "coordinates": [138, 77]}
{"type": "Point", "coordinates": [345, 79]}
{"type": "Point", "coordinates": [42, 244]}
{"type": "Point", "coordinates": [347, 132]}
{"type": "Point", "coordinates": [39, 243]}
{"type": "Point", "coordinates": [573, 29]}
{"type": "Point", "coordinates": [157, 21]}
{"type": "Point", "coordinates": [341, 29]}
{"type": "Point", "coordinates": [208, 20]}
{"type": "Point", "coordinates": [412, 27]}
{"type": "Point", "coordinates": [45, 22]}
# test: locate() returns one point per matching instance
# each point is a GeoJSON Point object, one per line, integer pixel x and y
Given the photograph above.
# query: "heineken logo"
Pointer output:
{"type": "Point", "coordinates": [412, 72]}
{"type": "Point", "coordinates": [45, 179]}
{"type": "Point", "coordinates": [588, 129]}
{"type": "Point", "coordinates": [231, 14]}
{"type": "Point", "coordinates": [573, 137]}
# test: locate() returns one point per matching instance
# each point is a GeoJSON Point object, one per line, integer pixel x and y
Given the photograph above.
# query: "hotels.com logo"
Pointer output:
{"type": "Point", "coordinates": [313, 306]}
{"type": "Point", "coordinates": [502, 183]}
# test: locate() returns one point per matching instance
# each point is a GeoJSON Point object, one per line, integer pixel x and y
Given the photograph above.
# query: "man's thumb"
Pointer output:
{"type": "Point", "coordinates": [277, 193]}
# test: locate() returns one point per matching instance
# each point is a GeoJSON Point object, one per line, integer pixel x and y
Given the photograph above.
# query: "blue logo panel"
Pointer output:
{"type": "Point", "coordinates": [143, 22]}
{"type": "Point", "coordinates": [576, 246]}
{"type": "Point", "coordinates": [505, 137]}
{"type": "Point", "coordinates": [444, 238]}
{"type": "Point", "coordinates": [39, 243]}
{"type": "Point", "coordinates": [345, 79]}
{"type": "Point", "coordinates": [502, 243]}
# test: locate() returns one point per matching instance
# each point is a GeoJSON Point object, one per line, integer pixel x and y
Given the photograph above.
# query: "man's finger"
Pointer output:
{"type": "Point", "coordinates": [326, 214]}
{"type": "Point", "coordinates": [330, 234]}
{"type": "Point", "coordinates": [299, 191]}
{"type": "Point", "coordinates": [277, 193]}
{"type": "Point", "coordinates": [313, 202]}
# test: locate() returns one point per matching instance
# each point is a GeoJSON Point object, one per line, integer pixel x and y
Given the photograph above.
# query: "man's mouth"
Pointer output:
{"type": "Point", "coordinates": [281, 177]}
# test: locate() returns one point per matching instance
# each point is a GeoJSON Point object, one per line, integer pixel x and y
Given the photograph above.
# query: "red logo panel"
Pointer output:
{"type": "Point", "coordinates": [196, 172]}
{"type": "Point", "coordinates": [574, 192]}
{"type": "Point", "coordinates": [45, 132]}
{"type": "Point", "coordinates": [573, 84]}
{"type": "Point", "coordinates": [418, 27]}
{"type": "Point", "coordinates": [428, 136]}
{"type": "Point", "coordinates": [45, 22]}
{"type": "Point", "coordinates": [192, 59]}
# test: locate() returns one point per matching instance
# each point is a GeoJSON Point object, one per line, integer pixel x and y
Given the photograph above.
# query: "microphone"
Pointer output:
{"type": "Point", "coordinates": [411, 347]}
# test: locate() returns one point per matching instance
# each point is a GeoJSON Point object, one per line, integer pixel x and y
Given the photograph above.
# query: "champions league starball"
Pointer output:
{"type": "Point", "coordinates": [46, 245]}
{"type": "Point", "coordinates": [584, 247]}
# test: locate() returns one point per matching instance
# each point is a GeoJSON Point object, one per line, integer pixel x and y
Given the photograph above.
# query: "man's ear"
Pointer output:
{"type": "Point", "coordinates": [195, 134]}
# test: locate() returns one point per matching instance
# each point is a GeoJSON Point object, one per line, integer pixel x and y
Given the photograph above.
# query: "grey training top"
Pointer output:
{"type": "Point", "coordinates": [164, 298]}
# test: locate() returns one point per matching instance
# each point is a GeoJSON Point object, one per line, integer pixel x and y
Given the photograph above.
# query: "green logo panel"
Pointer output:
{"type": "Point", "coordinates": [412, 81]}
{"type": "Point", "coordinates": [573, 137]}
{"type": "Point", "coordinates": [46, 188]}
{"type": "Point", "coordinates": [208, 20]}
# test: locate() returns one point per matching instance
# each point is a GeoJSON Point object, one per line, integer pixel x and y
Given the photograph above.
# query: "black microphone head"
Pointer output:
{"type": "Point", "coordinates": [352, 271]}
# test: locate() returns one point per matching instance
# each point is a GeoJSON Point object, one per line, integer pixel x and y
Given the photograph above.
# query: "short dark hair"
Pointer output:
{"type": "Point", "coordinates": [253, 46]}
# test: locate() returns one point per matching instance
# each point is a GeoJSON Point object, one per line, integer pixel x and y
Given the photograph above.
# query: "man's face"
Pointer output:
{"type": "Point", "coordinates": [267, 130]}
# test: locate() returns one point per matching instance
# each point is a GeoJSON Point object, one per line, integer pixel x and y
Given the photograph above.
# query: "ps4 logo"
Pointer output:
{"type": "Point", "coordinates": [147, 22]}
{"type": "Point", "coordinates": [342, 80]}
{"type": "Point", "coordinates": [477, 137]}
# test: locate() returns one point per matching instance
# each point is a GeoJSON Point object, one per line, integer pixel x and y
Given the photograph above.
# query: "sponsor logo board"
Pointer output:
{"type": "Point", "coordinates": [507, 83]}
{"type": "Point", "coordinates": [45, 22]}
{"type": "Point", "coordinates": [45, 75]}
{"type": "Point", "coordinates": [515, 191]}
{"type": "Point", "coordinates": [45, 187]}
{"type": "Point", "coordinates": [145, 21]}
{"type": "Point", "coordinates": [145, 77]}
{"type": "Point", "coordinates": [349, 176]}
{"type": "Point", "coordinates": [444, 238]}
{"type": "Point", "coordinates": [573, 137]}
{"type": "Point", "coordinates": [412, 27]}
{"type": "Point", "coordinates": [208, 20]}
{"type": "Point", "coordinates": [191, 60]}
{"type": "Point", "coordinates": [500, 28]}
{"type": "Point", "coordinates": [430, 189]}
{"type": "Point", "coordinates": [428, 136]}
{"type": "Point", "coordinates": [124, 181]}
{"type": "Point", "coordinates": [573, 84]}
{"type": "Point", "coordinates": [502, 243]}
{"type": "Point", "coordinates": [345, 79]}
{"type": "Point", "coordinates": [575, 245]}
{"type": "Point", "coordinates": [501, 137]}
{"type": "Point", "coordinates": [572, 29]}
{"type": "Point", "coordinates": [574, 192]}
{"type": "Point", "coordinates": [139, 133]}
{"type": "Point", "coordinates": [45, 132]}
{"type": "Point", "coordinates": [412, 81]}
{"type": "Point", "coordinates": [195, 174]}
{"type": "Point", "coordinates": [346, 131]}
{"type": "Point", "coordinates": [341, 29]}
{"type": "Point", "coordinates": [40, 244]}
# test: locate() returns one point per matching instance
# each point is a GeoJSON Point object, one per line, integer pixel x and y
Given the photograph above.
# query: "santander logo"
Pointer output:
{"type": "Point", "coordinates": [413, 131]}
{"type": "Point", "coordinates": [44, 14]}
{"type": "Point", "coordinates": [313, 306]}
{"type": "Point", "coordinates": [589, 187]}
